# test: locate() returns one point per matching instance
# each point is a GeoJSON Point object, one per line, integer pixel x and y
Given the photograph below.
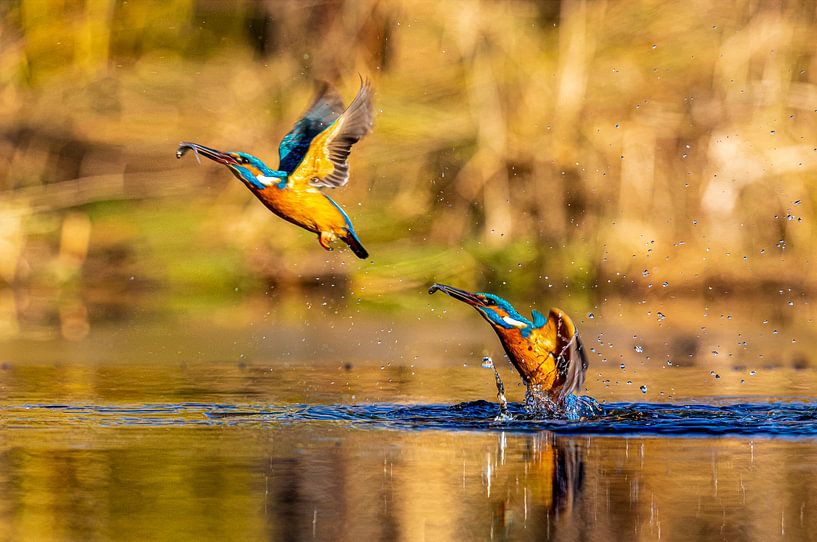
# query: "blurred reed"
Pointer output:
{"type": "Point", "coordinates": [609, 145]}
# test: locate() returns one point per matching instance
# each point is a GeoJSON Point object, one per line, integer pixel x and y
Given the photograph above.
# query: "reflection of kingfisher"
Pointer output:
{"type": "Point", "coordinates": [313, 155]}
{"type": "Point", "coordinates": [547, 352]}
{"type": "Point", "coordinates": [552, 472]}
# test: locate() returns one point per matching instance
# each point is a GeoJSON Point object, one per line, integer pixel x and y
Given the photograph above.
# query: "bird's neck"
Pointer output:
{"type": "Point", "coordinates": [261, 180]}
{"type": "Point", "coordinates": [271, 177]}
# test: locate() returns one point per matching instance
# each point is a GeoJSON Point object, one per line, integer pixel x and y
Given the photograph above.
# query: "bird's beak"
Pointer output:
{"type": "Point", "coordinates": [207, 152]}
{"type": "Point", "coordinates": [456, 293]}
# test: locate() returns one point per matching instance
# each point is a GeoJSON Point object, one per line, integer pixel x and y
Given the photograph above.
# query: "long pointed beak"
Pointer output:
{"type": "Point", "coordinates": [456, 293]}
{"type": "Point", "coordinates": [207, 152]}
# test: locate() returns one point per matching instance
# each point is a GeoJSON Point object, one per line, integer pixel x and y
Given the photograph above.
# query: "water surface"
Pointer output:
{"type": "Point", "coordinates": [382, 431]}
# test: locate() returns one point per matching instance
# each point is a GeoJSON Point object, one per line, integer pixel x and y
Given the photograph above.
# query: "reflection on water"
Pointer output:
{"type": "Point", "coordinates": [247, 452]}
{"type": "Point", "coordinates": [244, 423]}
{"type": "Point", "coordinates": [322, 481]}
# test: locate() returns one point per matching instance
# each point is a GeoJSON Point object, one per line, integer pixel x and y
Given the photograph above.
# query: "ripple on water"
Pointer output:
{"type": "Point", "coordinates": [791, 419]}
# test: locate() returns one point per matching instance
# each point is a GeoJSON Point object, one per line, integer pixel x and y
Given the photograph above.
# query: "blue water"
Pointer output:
{"type": "Point", "coordinates": [782, 419]}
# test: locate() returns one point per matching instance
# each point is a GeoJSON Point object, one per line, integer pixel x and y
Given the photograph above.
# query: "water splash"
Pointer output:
{"type": "Point", "coordinates": [787, 420]}
{"type": "Point", "coordinates": [538, 404]}
{"type": "Point", "coordinates": [500, 392]}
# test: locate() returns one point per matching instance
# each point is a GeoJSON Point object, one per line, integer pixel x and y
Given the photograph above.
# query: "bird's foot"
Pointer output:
{"type": "Point", "coordinates": [326, 238]}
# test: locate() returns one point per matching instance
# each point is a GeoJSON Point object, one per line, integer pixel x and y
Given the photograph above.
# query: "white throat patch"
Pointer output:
{"type": "Point", "coordinates": [266, 181]}
{"type": "Point", "coordinates": [513, 322]}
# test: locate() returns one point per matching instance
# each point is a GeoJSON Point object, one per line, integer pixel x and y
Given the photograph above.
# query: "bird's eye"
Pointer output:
{"type": "Point", "coordinates": [244, 160]}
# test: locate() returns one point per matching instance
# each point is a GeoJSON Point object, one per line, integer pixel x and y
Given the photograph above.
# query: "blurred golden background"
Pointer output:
{"type": "Point", "coordinates": [650, 166]}
{"type": "Point", "coordinates": [600, 148]}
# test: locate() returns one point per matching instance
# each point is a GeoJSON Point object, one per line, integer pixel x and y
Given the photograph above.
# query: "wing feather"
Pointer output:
{"type": "Point", "coordinates": [325, 162]}
{"type": "Point", "coordinates": [571, 359]}
{"type": "Point", "coordinates": [325, 109]}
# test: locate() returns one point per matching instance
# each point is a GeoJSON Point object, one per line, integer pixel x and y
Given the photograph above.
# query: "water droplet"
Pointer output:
{"type": "Point", "coordinates": [645, 273]}
{"type": "Point", "coordinates": [591, 315]}
{"type": "Point", "coordinates": [639, 348]}
{"type": "Point", "coordinates": [487, 362]}
{"type": "Point", "coordinates": [714, 352]}
{"type": "Point", "coordinates": [752, 373]}
{"type": "Point", "coordinates": [621, 366]}
{"type": "Point", "coordinates": [665, 284]}
{"type": "Point", "coordinates": [661, 315]}
{"type": "Point", "coordinates": [643, 389]}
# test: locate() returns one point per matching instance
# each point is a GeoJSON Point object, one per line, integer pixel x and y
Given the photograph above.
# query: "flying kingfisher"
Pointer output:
{"type": "Point", "coordinates": [311, 156]}
{"type": "Point", "coordinates": [547, 352]}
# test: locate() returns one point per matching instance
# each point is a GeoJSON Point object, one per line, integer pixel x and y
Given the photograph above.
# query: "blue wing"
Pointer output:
{"type": "Point", "coordinates": [327, 107]}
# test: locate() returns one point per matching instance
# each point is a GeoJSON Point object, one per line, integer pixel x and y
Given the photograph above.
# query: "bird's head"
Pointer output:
{"type": "Point", "coordinates": [246, 167]}
{"type": "Point", "coordinates": [498, 312]}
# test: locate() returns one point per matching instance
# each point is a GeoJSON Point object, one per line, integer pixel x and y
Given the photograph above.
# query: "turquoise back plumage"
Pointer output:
{"type": "Point", "coordinates": [326, 108]}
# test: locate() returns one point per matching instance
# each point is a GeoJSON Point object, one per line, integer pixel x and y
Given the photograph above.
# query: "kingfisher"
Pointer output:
{"type": "Point", "coordinates": [311, 156]}
{"type": "Point", "coordinates": [547, 352]}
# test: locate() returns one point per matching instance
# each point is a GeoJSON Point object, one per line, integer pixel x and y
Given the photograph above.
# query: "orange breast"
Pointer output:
{"type": "Point", "coordinates": [532, 356]}
{"type": "Point", "coordinates": [306, 208]}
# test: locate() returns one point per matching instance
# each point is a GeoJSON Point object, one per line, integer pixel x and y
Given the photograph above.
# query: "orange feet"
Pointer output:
{"type": "Point", "coordinates": [325, 238]}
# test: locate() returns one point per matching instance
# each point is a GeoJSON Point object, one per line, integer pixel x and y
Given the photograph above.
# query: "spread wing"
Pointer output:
{"type": "Point", "coordinates": [571, 360]}
{"type": "Point", "coordinates": [325, 161]}
{"type": "Point", "coordinates": [326, 108]}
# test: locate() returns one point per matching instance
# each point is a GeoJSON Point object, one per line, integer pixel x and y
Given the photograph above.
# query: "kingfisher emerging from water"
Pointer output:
{"type": "Point", "coordinates": [311, 156]}
{"type": "Point", "coordinates": [547, 352]}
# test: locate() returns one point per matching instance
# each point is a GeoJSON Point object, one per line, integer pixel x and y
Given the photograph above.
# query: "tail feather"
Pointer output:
{"type": "Point", "coordinates": [354, 243]}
